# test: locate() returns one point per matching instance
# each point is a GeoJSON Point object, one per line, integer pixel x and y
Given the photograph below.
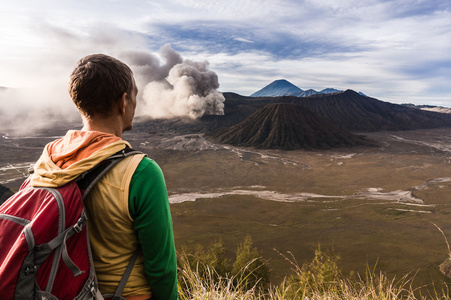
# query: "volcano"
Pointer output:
{"type": "Point", "coordinates": [289, 127]}
{"type": "Point", "coordinates": [279, 87]}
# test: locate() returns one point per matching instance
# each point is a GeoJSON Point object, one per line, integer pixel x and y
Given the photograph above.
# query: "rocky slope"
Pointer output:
{"type": "Point", "coordinates": [288, 127]}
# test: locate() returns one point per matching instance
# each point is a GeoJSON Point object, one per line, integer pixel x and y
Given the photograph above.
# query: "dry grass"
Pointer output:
{"type": "Point", "coordinates": [208, 284]}
{"type": "Point", "coordinates": [318, 280]}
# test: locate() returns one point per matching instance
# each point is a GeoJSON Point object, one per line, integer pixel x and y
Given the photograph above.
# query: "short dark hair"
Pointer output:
{"type": "Point", "coordinates": [98, 82]}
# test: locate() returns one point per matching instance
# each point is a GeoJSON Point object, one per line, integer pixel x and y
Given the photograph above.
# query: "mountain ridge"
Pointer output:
{"type": "Point", "coordinates": [362, 113]}
{"type": "Point", "coordinates": [347, 109]}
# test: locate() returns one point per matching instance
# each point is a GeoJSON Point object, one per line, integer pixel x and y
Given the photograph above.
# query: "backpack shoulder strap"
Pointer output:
{"type": "Point", "coordinates": [127, 273]}
{"type": "Point", "coordinates": [87, 180]}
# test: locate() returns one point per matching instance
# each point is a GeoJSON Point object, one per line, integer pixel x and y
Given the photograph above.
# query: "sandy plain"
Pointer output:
{"type": "Point", "coordinates": [374, 206]}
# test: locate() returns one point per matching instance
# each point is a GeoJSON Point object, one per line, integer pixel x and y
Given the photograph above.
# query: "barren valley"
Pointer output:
{"type": "Point", "coordinates": [372, 205]}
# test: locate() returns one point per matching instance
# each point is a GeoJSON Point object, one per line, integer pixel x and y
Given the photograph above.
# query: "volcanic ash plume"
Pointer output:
{"type": "Point", "coordinates": [177, 88]}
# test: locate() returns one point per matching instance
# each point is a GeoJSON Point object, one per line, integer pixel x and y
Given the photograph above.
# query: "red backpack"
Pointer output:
{"type": "Point", "coordinates": [44, 243]}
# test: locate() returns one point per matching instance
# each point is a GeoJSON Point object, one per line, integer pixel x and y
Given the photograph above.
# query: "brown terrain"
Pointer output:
{"type": "Point", "coordinates": [372, 205]}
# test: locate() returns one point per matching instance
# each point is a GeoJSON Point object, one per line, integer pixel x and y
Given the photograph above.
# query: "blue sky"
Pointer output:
{"type": "Point", "coordinates": [396, 51]}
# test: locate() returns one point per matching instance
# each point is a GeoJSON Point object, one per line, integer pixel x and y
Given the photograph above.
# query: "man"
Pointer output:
{"type": "Point", "coordinates": [128, 208]}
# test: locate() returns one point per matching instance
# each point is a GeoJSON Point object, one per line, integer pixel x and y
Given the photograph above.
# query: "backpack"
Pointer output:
{"type": "Point", "coordinates": [44, 243]}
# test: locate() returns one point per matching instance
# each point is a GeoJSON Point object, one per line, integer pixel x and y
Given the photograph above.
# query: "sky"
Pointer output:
{"type": "Point", "coordinates": [395, 51]}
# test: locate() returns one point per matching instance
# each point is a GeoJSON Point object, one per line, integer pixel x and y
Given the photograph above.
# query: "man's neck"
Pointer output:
{"type": "Point", "coordinates": [107, 125]}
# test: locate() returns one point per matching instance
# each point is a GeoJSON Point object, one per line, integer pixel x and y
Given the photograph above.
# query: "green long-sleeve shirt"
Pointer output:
{"type": "Point", "coordinates": [149, 208]}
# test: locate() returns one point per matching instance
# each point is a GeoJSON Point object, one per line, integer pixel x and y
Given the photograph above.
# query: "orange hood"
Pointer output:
{"type": "Point", "coordinates": [78, 151]}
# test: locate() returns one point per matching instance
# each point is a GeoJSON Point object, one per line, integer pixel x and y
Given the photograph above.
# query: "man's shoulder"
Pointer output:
{"type": "Point", "coordinates": [146, 167]}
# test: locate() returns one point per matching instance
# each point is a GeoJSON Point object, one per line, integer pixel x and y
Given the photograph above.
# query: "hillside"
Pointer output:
{"type": "Point", "coordinates": [355, 112]}
{"type": "Point", "coordinates": [349, 110]}
{"type": "Point", "coordinates": [288, 127]}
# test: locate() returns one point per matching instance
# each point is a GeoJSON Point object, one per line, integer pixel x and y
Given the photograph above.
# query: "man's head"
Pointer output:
{"type": "Point", "coordinates": [98, 83]}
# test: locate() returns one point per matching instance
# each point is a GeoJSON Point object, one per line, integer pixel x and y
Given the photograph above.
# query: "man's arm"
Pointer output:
{"type": "Point", "coordinates": [149, 207]}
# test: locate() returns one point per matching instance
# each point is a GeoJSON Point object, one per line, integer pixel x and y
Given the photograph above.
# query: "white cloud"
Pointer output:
{"type": "Point", "coordinates": [243, 40]}
{"type": "Point", "coordinates": [393, 50]}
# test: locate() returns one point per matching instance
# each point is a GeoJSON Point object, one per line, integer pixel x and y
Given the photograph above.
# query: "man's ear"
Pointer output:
{"type": "Point", "coordinates": [122, 103]}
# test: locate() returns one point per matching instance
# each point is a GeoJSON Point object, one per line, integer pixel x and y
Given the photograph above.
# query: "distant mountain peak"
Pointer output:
{"type": "Point", "coordinates": [280, 87]}
{"type": "Point", "coordinates": [283, 83]}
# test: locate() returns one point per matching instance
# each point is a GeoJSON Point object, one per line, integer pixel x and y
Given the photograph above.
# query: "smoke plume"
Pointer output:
{"type": "Point", "coordinates": [175, 88]}
{"type": "Point", "coordinates": [33, 86]}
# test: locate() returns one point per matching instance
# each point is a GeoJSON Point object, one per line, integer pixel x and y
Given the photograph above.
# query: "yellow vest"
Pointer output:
{"type": "Point", "coordinates": [113, 240]}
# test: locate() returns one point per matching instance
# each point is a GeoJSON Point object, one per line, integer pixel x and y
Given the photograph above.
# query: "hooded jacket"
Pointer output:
{"type": "Point", "coordinates": [127, 207]}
